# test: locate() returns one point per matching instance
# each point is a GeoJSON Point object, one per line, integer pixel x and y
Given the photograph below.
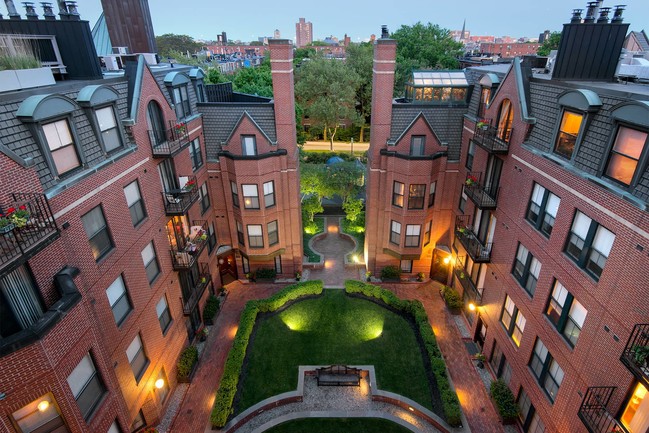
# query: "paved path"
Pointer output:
{"type": "Point", "coordinates": [339, 146]}
{"type": "Point", "coordinates": [333, 247]}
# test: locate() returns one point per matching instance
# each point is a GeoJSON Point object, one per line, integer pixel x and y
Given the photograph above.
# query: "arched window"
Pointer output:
{"type": "Point", "coordinates": [155, 120]}
{"type": "Point", "coordinates": [505, 118]}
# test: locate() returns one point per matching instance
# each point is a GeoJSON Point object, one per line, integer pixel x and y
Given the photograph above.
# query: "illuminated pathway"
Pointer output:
{"type": "Point", "coordinates": [333, 246]}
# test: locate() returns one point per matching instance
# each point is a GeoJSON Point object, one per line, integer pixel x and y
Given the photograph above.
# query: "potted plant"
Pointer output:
{"type": "Point", "coordinates": [203, 333]}
{"type": "Point", "coordinates": [189, 185]}
{"type": "Point", "coordinates": [421, 276]}
{"type": "Point", "coordinates": [180, 128]}
{"type": "Point", "coordinates": [461, 230]}
{"type": "Point", "coordinates": [298, 276]}
{"type": "Point", "coordinates": [251, 277]}
{"type": "Point", "coordinates": [481, 124]}
{"type": "Point", "coordinates": [640, 354]}
{"type": "Point", "coordinates": [471, 180]}
{"type": "Point", "coordinates": [187, 364]}
{"type": "Point", "coordinates": [23, 70]}
{"type": "Point", "coordinates": [6, 225]}
{"type": "Point", "coordinates": [481, 358]}
{"type": "Point", "coordinates": [368, 276]}
{"type": "Point", "coordinates": [20, 216]}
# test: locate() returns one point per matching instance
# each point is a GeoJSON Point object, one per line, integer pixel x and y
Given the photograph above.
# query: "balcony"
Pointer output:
{"type": "Point", "coordinates": [478, 251]}
{"type": "Point", "coordinates": [28, 227]}
{"type": "Point", "coordinates": [196, 293]}
{"type": "Point", "coordinates": [486, 137]}
{"type": "Point", "coordinates": [473, 294]}
{"type": "Point", "coordinates": [178, 201]}
{"type": "Point", "coordinates": [594, 413]}
{"type": "Point", "coordinates": [167, 143]}
{"type": "Point", "coordinates": [484, 196]}
{"type": "Point", "coordinates": [183, 257]}
{"type": "Point", "coordinates": [636, 353]}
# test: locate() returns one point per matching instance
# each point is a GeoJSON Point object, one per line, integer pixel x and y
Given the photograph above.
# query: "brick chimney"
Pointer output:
{"type": "Point", "coordinates": [385, 53]}
{"type": "Point", "coordinates": [281, 64]}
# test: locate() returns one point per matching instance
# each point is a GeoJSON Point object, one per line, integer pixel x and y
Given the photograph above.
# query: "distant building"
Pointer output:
{"type": "Point", "coordinates": [303, 33]}
{"type": "Point", "coordinates": [544, 36]}
{"type": "Point", "coordinates": [129, 25]}
{"type": "Point", "coordinates": [510, 49]}
{"type": "Point", "coordinates": [637, 41]}
{"type": "Point", "coordinates": [222, 39]}
{"type": "Point", "coordinates": [277, 34]}
{"type": "Point", "coordinates": [347, 40]}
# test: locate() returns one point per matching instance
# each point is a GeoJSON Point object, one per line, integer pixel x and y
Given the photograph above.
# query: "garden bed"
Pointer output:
{"type": "Point", "coordinates": [359, 239]}
{"type": "Point", "coordinates": [312, 256]}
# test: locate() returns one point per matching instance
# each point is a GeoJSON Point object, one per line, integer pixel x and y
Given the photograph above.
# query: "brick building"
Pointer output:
{"type": "Point", "coordinates": [514, 49]}
{"type": "Point", "coordinates": [535, 209]}
{"type": "Point", "coordinates": [119, 218]}
{"type": "Point", "coordinates": [303, 33]}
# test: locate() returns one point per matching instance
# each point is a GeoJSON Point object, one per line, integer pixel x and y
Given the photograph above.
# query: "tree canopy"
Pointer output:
{"type": "Point", "coordinates": [423, 46]}
{"type": "Point", "coordinates": [254, 80]}
{"type": "Point", "coordinates": [170, 43]}
{"type": "Point", "coordinates": [360, 58]}
{"type": "Point", "coordinates": [551, 43]}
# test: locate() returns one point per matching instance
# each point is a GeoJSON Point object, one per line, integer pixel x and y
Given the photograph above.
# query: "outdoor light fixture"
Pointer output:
{"type": "Point", "coordinates": [447, 260]}
{"type": "Point", "coordinates": [410, 409]}
{"type": "Point", "coordinates": [471, 306]}
{"type": "Point", "coordinates": [43, 405]}
{"type": "Point", "coordinates": [159, 383]}
{"type": "Point", "coordinates": [356, 260]}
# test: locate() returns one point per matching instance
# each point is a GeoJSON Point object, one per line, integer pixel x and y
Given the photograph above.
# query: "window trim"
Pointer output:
{"type": "Point", "coordinates": [271, 194]}
{"type": "Point", "coordinates": [561, 323]}
{"type": "Point", "coordinates": [47, 153]}
{"type": "Point", "coordinates": [643, 160]}
{"type": "Point", "coordinates": [578, 138]}
{"type": "Point", "coordinates": [196, 154]}
{"type": "Point", "coordinates": [545, 374]}
{"type": "Point", "coordinates": [185, 104]}
{"type": "Point", "coordinates": [96, 375]}
{"type": "Point", "coordinates": [543, 213]}
{"type": "Point", "coordinates": [140, 201]}
{"type": "Point", "coordinates": [204, 195]}
{"type": "Point", "coordinates": [513, 321]}
{"type": "Point", "coordinates": [394, 224]}
{"type": "Point", "coordinates": [421, 144]}
{"type": "Point", "coordinates": [254, 144]}
{"type": "Point", "coordinates": [396, 196]}
{"type": "Point", "coordinates": [414, 227]}
{"type": "Point", "coordinates": [407, 269]}
{"type": "Point", "coordinates": [524, 278]}
{"type": "Point", "coordinates": [94, 121]}
{"type": "Point", "coordinates": [587, 249]}
{"type": "Point", "coordinates": [240, 234]}
{"type": "Point", "coordinates": [125, 295]}
{"type": "Point", "coordinates": [138, 376]}
{"type": "Point", "coordinates": [275, 232]}
{"type": "Point", "coordinates": [154, 259]}
{"type": "Point", "coordinates": [95, 234]}
{"type": "Point", "coordinates": [235, 193]}
{"type": "Point", "coordinates": [431, 194]}
{"type": "Point", "coordinates": [427, 232]}
{"type": "Point", "coordinates": [252, 205]}
{"type": "Point", "coordinates": [416, 198]}
{"type": "Point", "coordinates": [167, 310]}
{"type": "Point", "coordinates": [260, 236]}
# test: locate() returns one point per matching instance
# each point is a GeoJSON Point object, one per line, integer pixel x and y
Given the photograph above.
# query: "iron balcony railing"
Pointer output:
{"type": "Point", "coordinates": [168, 142]}
{"type": "Point", "coordinates": [478, 251]}
{"type": "Point", "coordinates": [27, 226]}
{"type": "Point", "coordinates": [182, 258]}
{"type": "Point", "coordinates": [178, 201]}
{"type": "Point", "coordinates": [204, 281]}
{"type": "Point", "coordinates": [486, 136]}
{"type": "Point", "coordinates": [593, 411]}
{"type": "Point", "coordinates": [636, 353]}
{"type": "Point", "coordinates": [466, 281]}
{"type": "Point", "coordinates": [484, 196]}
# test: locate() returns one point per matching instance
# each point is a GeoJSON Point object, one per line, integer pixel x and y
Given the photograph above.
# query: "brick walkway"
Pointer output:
{"type": "Point", "coordinates": [334, 247]}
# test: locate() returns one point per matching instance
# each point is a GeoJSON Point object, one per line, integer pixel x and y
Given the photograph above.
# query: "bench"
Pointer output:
{"type": "Point", "coordinates": [338, 375]}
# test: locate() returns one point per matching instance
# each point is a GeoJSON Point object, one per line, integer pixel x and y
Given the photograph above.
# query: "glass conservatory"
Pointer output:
{"type": "Point", "coordinates": [437, 87]}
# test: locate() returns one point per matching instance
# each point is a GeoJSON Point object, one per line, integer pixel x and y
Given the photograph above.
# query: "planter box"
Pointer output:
{"type": "Point", "coordinates": [25, 79]}
{"type": "Point", "coordinates": [503, 421]}
{"type": "Point", "coordinates": [189, 378]}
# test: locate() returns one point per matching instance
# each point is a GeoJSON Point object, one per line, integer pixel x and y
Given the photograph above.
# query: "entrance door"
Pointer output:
{"type": "Point", "coordinates": [438, 269]}
{"type": "Point", "coordinates": [480, 333]}
{"type": "Point", "coordinates": [228, 268]}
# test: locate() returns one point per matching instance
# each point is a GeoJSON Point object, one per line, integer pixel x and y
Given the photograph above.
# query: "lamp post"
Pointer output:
{"type": "Point", "coordinates": [352, 146]}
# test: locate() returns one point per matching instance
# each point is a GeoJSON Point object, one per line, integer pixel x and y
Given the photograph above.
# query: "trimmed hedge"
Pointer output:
{"type": "Point", "coordinates": [233, 364]}
{"type": "Point", "coordinates": [188, 358]}
{"type": "Point", "coordinates": [390, 272]}
{"type": "Point", "coordinates": [450, 402]}
{"type": "Point", "coordinates": [505, 402]}
{"type": "Point", "coordinates": [452, 297]}
{"type": "Point", "coordinates": [210, 309]}
{"type": "Point", "coordinates": [267, 273]}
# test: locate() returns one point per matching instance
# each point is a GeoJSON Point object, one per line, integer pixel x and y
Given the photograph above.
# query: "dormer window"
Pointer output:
{"type": "Point", "coordinates": [488, 83]}
{"type": "Point", "coordinates": [108, 128]}
{"type": "Point", "coordinates": [176, 83]}
{"type": "Point", "coordinates": [505, 120]}
{"type": "Point", "coordinates": [198, 76]}
{"type": "Point", "coordinates": [99, 102]}
{"type": "Point", "coordinates": [61, 146]}
{"type": "Point", "coordinates": [575, 107]}
{"type": "Point", "coordinates": [568, 132]}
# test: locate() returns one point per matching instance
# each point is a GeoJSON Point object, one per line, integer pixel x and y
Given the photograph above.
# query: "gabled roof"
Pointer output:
{"type": "Point", "coordinates": [409, 127]}
{"type": "Point", "coordinates": [245, 115]}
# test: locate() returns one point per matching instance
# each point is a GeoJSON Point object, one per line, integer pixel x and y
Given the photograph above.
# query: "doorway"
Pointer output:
{"type": "Point", "coordinates": [228, 268]}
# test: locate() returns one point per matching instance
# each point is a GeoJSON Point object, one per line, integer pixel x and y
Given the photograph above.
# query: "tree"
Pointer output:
{"type": "Point", "coordinates": [326, 90]}
{"type": "Point", "coordinates": [169, 42]}
{"type": "Point", "coordinates": [423, 46]}
{"type": "Point", "coordinates": [311, 205]}
{"type": "Point", "coordinates": [256, 80]}
{"type": "Point", "coordinates": [360, 58]}
{"type": "Point", "coordinates": [551, 43]}
{"type": "Point", "coordinates": [303, 53]}
{"type": "Point", "coordinates": [215, 76]}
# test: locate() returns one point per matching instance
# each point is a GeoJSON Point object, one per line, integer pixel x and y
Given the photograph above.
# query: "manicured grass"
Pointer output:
{"type": "Point", "coordinates": [337, 425]}
{"type": "Point", "coordinates": [333, 329]}
{"type": "Point", "coordinates": [360, 240]}
{"type": "Point", "coordinates": [312, 255]}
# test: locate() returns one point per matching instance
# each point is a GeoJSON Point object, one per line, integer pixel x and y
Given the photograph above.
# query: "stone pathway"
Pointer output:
{"type": "Point", "coordinates": [333, 247]}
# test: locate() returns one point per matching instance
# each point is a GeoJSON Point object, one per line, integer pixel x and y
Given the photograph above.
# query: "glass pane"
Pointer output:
{"type": "Point", "coordinates": [581, 225]}
{"type": "Point", "coordinates": [621, 168]}
{"type": "Point", "coordinates": [254, 230]}
{"type": "Point", "coordinates": [90, 396]}
{"type": "Point", "coordinates": [132, 193]}
{"type": "Point", "coordinates": [93, 221]}
{"type": "Point", "coordinates": [148, 253]}
{"type": "Point", "coordinates": [65, 159]}
{"type": "Point", "coordinates": [105, 118]}
{"type": "Point", "coordinates": [115, 290]}
{"type": "Point", "coordinates": [161, 306]}
{"type": "Point", "coordinates": [133, 348]}
{"type": "Point", "coordinates": [603, 241]}
{"type": "Point", "coordinates": [636, 413]}
{"type": "Point", "coordinates": [80, 375]}
{"type": "Point", "coordinates": [630, 142]}
{"type": "Point", "coordinates": [250, 190]}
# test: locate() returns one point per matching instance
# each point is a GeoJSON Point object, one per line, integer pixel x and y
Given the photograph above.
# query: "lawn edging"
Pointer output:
{"type": "Point", "coordinates": [450, 402]}
{"type": "Point", "coordinates": [228, 387]}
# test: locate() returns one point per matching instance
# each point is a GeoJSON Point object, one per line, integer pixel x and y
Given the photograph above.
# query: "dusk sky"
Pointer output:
{"type": "Point", "coordinates": [251, 19]}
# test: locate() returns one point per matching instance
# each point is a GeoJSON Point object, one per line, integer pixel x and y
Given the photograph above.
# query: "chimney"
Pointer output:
{"type": "Point", "coordinates": [281, 65]}
{"type": "Point", "coordinates": [48, 12]}
{"type": "Point", "coordinates": [590, 50]}
{"type": "Point", "coordinates": [576, 16]}
{"type": "Point", "coordinates": [385, 51]}
{"type": "Point", "coordinates": [11, 10]}
{"type": "Point", "coordinates": [30, 11]}
{"type": "Point", "coordinates": [384, 32]}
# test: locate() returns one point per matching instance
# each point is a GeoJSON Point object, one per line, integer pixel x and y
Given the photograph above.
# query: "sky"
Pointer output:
{"type": "Point", "coordinates": [204, 19]}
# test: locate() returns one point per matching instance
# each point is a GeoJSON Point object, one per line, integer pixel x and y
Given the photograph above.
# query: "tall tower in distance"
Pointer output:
{"type": "Point", "coordinates": [303, 33]}
{"type": "Point", "coordinates": [129, 25]}
{"type": "Point", "coordinates": [277, 34]}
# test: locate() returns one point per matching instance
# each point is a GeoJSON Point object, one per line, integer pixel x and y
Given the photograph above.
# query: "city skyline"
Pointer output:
{"type": "Point", "coordinates": [360, 20]}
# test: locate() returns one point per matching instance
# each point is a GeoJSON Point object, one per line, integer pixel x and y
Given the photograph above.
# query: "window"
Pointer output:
{"type": "Point", "coordinates": [114, 428]}
{"type": "Point", "coordinates": [156, 124]}
{"type": "Point", "coordinates": [542, 210]}
{"type": "Point", "coordinates": [205, 198]}
{"type": "Point", "coordinates": [526, 269]}
{"type": "Point", "coordinates": [240, 235]}
{"type": "Point", "coordinates": [513, 321]}
{"type": "Point", "coordinates": [137, 358]}
{"type": "Point", "coordinates": [412, 235]}
{"type": "Point", "coordinates": [164, 316]}
{"type": "Point", "coordinates": [250, 196]}
{"type": "Point", "coordinates": [245, 264]}
{"type": "Point", "coordinates": [97, 231]}
{"type": "Point", "coordinates": [61, 145]}
{"type": "Point", "coordinates": [200, 92]}
{"type": "Point", "coordinates": [546, 370]}
{"type": "Point", "coordinates": [505, 119]}
{"type": "Point", "coordinates": [625, 156]}
{"type": "Point", "coordinates": [273, 236]}
{"type": "Point", "coordinates": [530, 420]}
{"type": "Point", "coordinates": [568, 133]}
{"type": "Point", "coordinates": [398, 191]}
{"type": "Point", "coordinates": [248, 145]}
{"type": "Point", "coordinates": [134, 202]}
{"type": "Point", "coordinates": [255, 236]}
{"type": "Point", "coordinates": [118, 300]}
{"type": "Point", "coordinates": [427, 230]}
{"type": "Point", "coordinates": [417, 145]}
{"type": "Point", "coordinates": [211, 238]}
{"type": "Point", "coordinates": [195, 154]}
{"type": "Point", "coordinates": [395, 232]}
{"type": "Point", "coordinates": [634, 417]}
{"type": "Point", "coordinates": [181, 102]}
{"type": "Point", "coordinates": [139, 421]}
{"type": "Point", "coordinates": [406, 266]}
{"type": "Point", "coordinates": [86, 386]}
{"type": "Point", "coordinates": [536, 425]}
{"type": "Point", "coordinates": [416, 196]}
{"type": "Point", "coordinates": [431, 194]}
{"type": "Point", "coordinates": [20, 302]}
{"type": "Point", "coordinates": [463, 199]}
{"type": "Point", "coordinates": [269, 194]}
{"type": "Point", "coordinates": [30, 419]}
{"type": "Point", "coordinates": [235, 194]}
{"type": "Point", "coordinates": [278, 264]}
{"type": "Point", "coordinates": [150, 262]}
{"type": "Point", "coordinates": [566, 313]}
{"type": "Point", "coordinates": [110, 135]}
{"type": "Point", "coordinates": [469, 155]}
{"type": "Point", "coordinates": [589, 244]}
{"type": "Point", "coordinates": [497, 357]}
{"type": "Point", "coordinates": [485, 95]}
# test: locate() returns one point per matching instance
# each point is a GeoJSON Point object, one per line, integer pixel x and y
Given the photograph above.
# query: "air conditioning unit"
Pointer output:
{"type": "Point", "coordinates": [120, 50]}
{"type": "Point", "coordinates": [150, 58]}
{"type": "Point", "coordinates": [112, 63]}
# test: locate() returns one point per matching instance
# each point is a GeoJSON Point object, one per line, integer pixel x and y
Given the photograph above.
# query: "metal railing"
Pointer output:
{"type": "Point", "coordinates": [168, 142]}
{"type": "Point", "coordinates": [178, 201]}
{"type": "Point", "coordinates": [635, 355]}
{"type": "Point", "coordinates": [593, 411]}
{"type": "Point", "coordinates": [484, 196]}
{"type": "Point", "coordinates": [478, 251]}
{"type": "Point", "coordinates": [204, 280]}
{"type": "Point", "coordinates": [466, 281]}
{"type": "Point", "coordinates": [30, 227]}
{"type": "Point", "coordinates": [486, 136]}
{"type": "Point", "coordinates": [182, 258]}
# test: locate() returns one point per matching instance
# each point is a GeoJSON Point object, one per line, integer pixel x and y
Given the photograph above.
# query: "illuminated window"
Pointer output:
{"type": "Point", "coordinates": [566, 313]}
{"type": "Point", "coordinates": [398, 191]}
{"type": "Point", "coordinates": [250, 196]}
{"type": "Point", "coordinates": [589, 244]}
{"type": "Point", "coordinates": [505, 119]}
{"type": "Point", "coordinates": [636, 413]}
{"type": "Point", "coordinates": [416, 196]}
{"type": "Point", "coordinates": [625, 155]}
{"type": "Point", "coordinates": [513, 321]}
{"type": "Point", "coordinates": [568, 133]}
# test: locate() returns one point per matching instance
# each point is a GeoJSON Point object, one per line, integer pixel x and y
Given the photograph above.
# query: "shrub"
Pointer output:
{"type": "Point", "coordinates": [268, 273]}
{"type": "Point", "coordinates": [232, 370]}
{"type": "Point", "coordinates": [452, 297]}
{"type": "Point", "coordinates": [390, 273]}
{"type": "Point", "coordinates": [450, 402]}
{"type": "Point", "coordinates": [504, 399]}
{"type": "Point", "coordinates": [188, 358]}
{"type": "Point", "coordinates": [210, 309]}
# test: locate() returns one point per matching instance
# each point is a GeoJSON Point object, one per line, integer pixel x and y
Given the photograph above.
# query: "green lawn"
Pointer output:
{"type": "Point", "coordinates": [333, 329]}
{"type": "Point", "coordinates": [312, 255]}
{"type": "Point", "coordinates": [338, 425]}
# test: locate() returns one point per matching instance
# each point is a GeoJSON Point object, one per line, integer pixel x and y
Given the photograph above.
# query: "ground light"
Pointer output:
{"type": "Point", "coordinates": [295, 320]}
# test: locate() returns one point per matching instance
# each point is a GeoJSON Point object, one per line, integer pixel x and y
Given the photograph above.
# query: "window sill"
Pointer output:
{"type": "Point", "coordinates": [141, 222]}
{"type": "Point", "coordinates": [105, 256]}
{"type": "Point", "coordinates": [556, 330]}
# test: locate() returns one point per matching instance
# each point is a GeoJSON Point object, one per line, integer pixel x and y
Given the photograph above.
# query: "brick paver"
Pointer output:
{"type": "Point", "coordinates": [334, 247]}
